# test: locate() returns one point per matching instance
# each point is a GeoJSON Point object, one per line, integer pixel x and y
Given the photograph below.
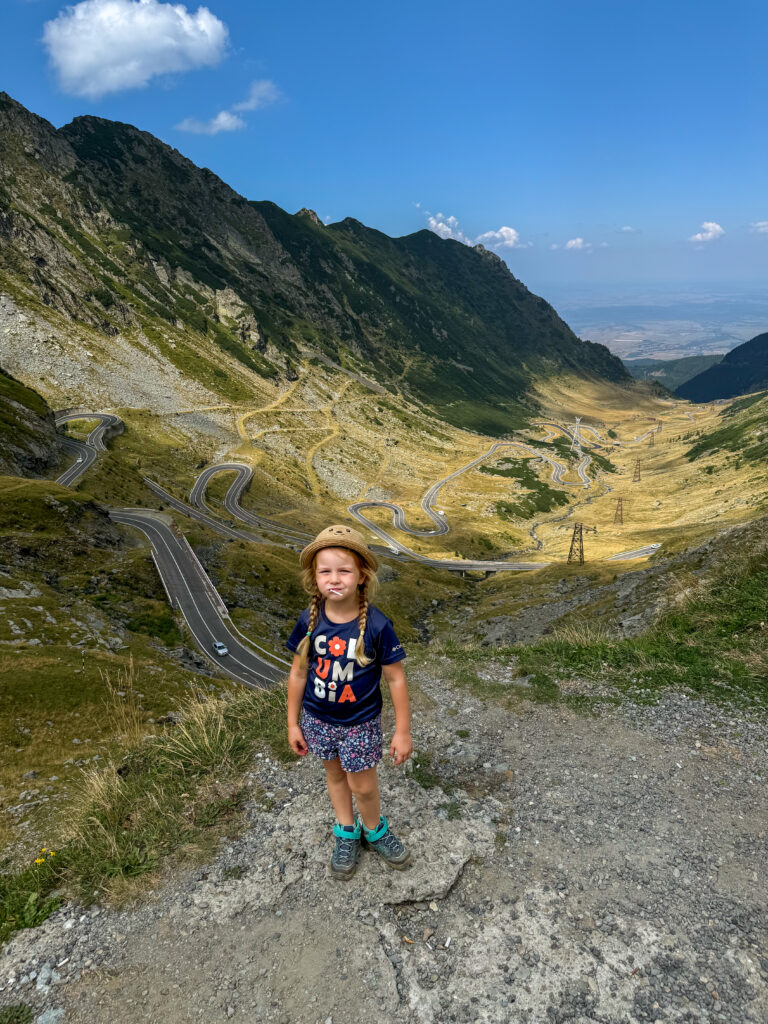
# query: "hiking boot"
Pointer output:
{"type": "Point", "coordinates": [387, 845]}
{"type": "Point", "coordinates": [347, 850]}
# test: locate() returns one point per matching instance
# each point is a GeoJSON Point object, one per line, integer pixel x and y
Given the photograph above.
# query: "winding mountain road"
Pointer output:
{"type": "Point", "coordinates": [86, 451]}
{"type": "Point", "coordinates": [243, 477]}
{"type": "Point", "coordinates": [190, 589]}
{"type": "Point", "coordinates": [438, 518]}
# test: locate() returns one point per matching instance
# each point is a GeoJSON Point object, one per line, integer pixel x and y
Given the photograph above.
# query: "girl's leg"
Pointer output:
{"type": "Point", "coordinates": [365, 787]}
{"type": "Point", "coordinates": [339, 792]}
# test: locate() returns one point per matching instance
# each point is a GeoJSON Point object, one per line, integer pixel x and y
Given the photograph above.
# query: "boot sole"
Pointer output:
{"type": "Point", "coordinates": [399, 866]}
{"type": "Point", "coordinates": [343, 876]}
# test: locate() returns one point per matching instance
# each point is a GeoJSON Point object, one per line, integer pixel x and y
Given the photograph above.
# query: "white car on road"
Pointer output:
{"type": "Point", "coordinates": [220, 648]}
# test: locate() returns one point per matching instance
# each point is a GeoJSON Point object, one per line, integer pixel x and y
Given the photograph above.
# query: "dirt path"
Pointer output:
{"type": "Point", "coordinates": [586, 869]}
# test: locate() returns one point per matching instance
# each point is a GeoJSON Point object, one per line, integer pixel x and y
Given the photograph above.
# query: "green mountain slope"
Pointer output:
{"type": "Point", "coordinates": [111, 229]}
{"type": "Point", "coordinates": [671, 372]}
{"type": "Point", "coordinates": [743, 432]}
{"type": "Point", "coordinates": [743, 369]}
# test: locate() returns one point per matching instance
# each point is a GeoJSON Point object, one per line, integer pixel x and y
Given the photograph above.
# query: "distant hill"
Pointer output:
{"type": "Point", "coordinates": [742, 370]}
{"type": "Point", "coordinates": [671, 372]}
{"type": "Point", "coordinates": [148, 279]}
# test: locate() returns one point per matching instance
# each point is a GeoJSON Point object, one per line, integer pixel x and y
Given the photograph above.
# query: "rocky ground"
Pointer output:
{"type": "Point", "coordinates": [566, 868]}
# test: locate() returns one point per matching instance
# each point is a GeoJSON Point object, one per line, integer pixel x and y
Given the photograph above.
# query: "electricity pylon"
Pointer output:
{"type": "Point", "coordinates": [636, 477]}
{"type": "Point", "coordinates": [618, 515]}
{"type": "Point", "coordinates": [576, 553]}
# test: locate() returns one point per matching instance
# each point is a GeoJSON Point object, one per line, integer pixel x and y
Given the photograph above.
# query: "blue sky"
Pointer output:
{"type": "Point", "coordinates": [604, 135]}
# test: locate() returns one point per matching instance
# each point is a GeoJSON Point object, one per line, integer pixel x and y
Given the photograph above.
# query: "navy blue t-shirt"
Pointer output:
{"type": "Point", "coordinates": [338, 689]}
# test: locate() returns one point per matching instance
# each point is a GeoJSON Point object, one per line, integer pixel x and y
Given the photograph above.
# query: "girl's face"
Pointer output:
{"type": "Point", "coordinates": [337, 575]}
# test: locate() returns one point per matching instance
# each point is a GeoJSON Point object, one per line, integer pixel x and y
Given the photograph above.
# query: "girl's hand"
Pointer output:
{"type": "Point", "coordinates": [401, 747]}
{"type": "Point", "coordinates": [296, 740]}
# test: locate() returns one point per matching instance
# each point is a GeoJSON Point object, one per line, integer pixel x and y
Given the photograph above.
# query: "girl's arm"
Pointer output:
{"type": "Point", "coordinates": [401, 746]}
{"type": "Point", "coordinates": [297, 681]}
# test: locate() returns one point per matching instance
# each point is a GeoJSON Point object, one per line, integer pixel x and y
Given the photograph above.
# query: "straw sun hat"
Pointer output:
{"type": "Point", "coordinates": [339, 537]}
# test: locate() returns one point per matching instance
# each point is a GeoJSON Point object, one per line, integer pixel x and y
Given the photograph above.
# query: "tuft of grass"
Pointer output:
{"type": "Point", "coordinates": [170, 787]}
{"type": "Point", "coordinates": [425, 773]}
{"type": "Point", "coordinates": [453, 809]}
{"type": "Point", "coordinates": [28, 897]}
{"type": "Point", "coordinates": [20, 1013]}
{"type": "Point", "coordinates": [171, 793]}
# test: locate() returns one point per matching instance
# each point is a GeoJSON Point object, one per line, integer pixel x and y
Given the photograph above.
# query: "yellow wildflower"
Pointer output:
{"type": "Point", "coordinates": [52, 853]}
{"type": "Point", "coordinates": [43, 850]}
{"type": "Point", "coordinates": [40, 860]}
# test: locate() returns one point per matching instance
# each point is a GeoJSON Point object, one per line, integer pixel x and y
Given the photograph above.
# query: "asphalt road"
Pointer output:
{"type": "Point", "coordinates": [190, 590]}
{"type": "Point", "coordinates": [440, 521]}
{"type": "Point", "coordinates": [187, 585]}
{"type": "Point", "coordinates": [243, 478]}
{"type": "Point", "coordinates": [86, 451]}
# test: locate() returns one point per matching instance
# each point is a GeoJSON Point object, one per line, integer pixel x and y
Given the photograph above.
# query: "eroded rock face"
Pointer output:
{"type": "Point", "coordinates": [29, 445]}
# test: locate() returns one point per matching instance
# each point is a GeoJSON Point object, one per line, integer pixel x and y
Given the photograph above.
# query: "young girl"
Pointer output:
{"type": "Point", "coordinates": [342, 645]}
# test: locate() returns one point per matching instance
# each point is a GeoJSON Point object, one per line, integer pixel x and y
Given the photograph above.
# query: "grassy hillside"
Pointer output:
{"type": "Point", "coordinates": [671, 372]}
{"type": "Point", "coordinates": [743, 433]}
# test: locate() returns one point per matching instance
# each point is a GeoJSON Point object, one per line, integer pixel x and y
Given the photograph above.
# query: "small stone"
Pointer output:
{"type": "Point", "coordinates": [51, 1017]}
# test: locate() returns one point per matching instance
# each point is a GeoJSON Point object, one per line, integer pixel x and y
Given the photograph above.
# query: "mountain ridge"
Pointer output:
{"type": "Point", "coordinates": [742, 370]}
{"type": "Point", "coordinates": [112, 228]}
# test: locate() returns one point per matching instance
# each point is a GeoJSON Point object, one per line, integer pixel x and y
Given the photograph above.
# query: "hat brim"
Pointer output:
{"type": "Point", "coordinates": [311, 550]}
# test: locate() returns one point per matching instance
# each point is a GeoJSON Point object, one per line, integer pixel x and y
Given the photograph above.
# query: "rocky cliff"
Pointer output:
{"type": "Point", "coordinates": [29, 445]}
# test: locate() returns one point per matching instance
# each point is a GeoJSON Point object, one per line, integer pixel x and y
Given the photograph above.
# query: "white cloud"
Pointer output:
{"type": "Point", "coordinates": [710, 231]}
{"type": "Point", "coordinates": [628, 230]}
{"type": "Point", "coordinates": [577, 243]}
{"type": "Point", "coordinates": [555, 245]}
{"type": "Point", "coordinates": [760, 227]}
{"type": "Point", "coordinates": [224, 121]}
{"type": "Point", "coordinates": [103, 46]}
{"type": "Point", "coordinates": [262, 93]}
{"type": "Point", "coordinates": [447, 227]}
{"type": "Point", "coordinates": [504, 238]}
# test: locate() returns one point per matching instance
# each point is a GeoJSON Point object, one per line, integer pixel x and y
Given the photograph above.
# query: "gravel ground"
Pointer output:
{"type": "Point", "coordinates": [567, 868]}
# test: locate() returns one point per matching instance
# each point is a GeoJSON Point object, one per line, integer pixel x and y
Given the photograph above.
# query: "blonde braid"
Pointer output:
{"type": "Point", "coordinates": [361, 658]}
{"type": "Point", "coordinates": [314, 610]}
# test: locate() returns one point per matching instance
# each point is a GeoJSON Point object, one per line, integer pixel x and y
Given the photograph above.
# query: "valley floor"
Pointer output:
{"type": "Point", "coordinates": [605, 868]}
